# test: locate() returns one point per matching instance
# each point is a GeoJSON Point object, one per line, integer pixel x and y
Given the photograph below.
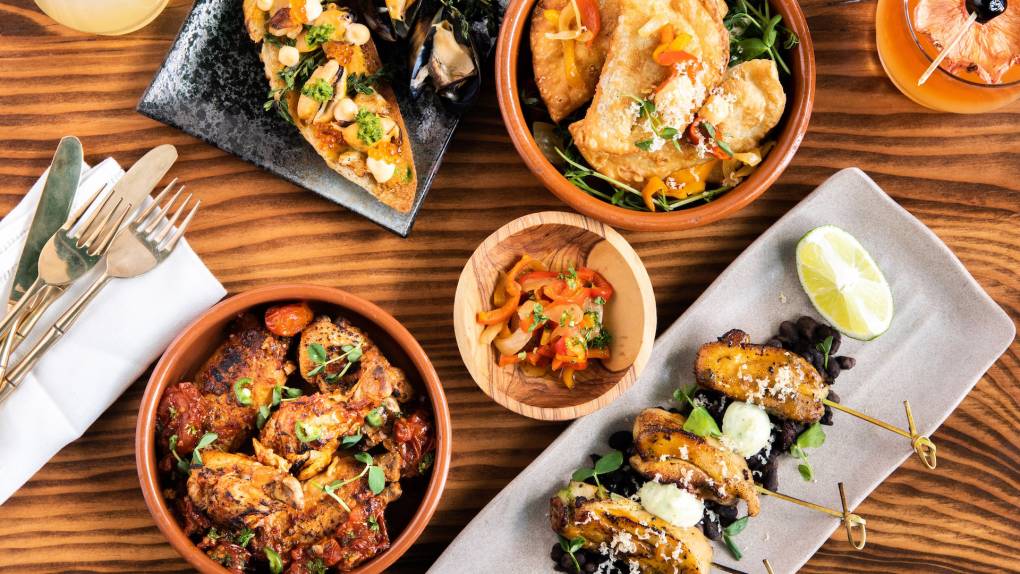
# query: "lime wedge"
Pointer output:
{"type": "Point", "coordinates": [844, 283]}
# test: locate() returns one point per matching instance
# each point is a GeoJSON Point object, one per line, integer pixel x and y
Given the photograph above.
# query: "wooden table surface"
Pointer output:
{"type": "Point", "coordinates": [83, 512]}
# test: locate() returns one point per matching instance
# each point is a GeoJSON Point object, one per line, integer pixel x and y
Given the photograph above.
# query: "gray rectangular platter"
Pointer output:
{"type": "Point", "coordinates": [946, 333]}
{"type": "Point", "coordinates": [212, 86]}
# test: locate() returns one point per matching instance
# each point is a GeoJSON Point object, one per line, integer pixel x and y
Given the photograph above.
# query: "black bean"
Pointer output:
{"type": "Point", "coordinates": [774, 342]}
{"type": "Point", "coordinates": [581, 558]}
{"type": "Point", "coordinates": [556, 553]}
{"type": "Point", "coordinates": [820, 333]}
{"type": "Point", "coordinates": [826, 416]}
{"type": "Point", "coordinates": [833, 396]}
{"type": "Point", "coordinates": [590, 567]}
{"type": "Point", "coordinates": [805, 325]}
{"type": "Point", "coordinates": [833, 369]}
{"type": "Point", "coordinates": [567, 562]}
{"type": "Point", "coordinates": [815, 358]}
{"type": "Point", "coordinates": [621, 440]}
{"type": "Point", "coordinates": [786, 435]}
{"type": "Point", "coordinates": [802, 347]}
{"type": "Point", "coordinates": [846, 363]}
{"type": "Point", "coordinates": [837, 338]}
{"type": "Point", "coordinates": [788, 329]}
{"type": "Point", "coordinates": [727, 515]}
{"type": "Point", "coordinates": [711, 527]}
{"type": "Point", "coordinates": [770, 475]}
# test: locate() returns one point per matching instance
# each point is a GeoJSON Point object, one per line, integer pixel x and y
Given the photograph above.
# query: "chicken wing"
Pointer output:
{"type": "Point", "coordinates": [783, 383]}
{"type": "Point", "coordinates": [702, 465]}
{"type": "Point", "coordinates": [562, 91]}
{"type": "Point", "coordinates": [185, 414]}
{"type": "Point", "coordinates": [626, 531]}
{"type": "Point", "coordinates": [306, 432]}
{"type": "Point", "coordinates": [614, 122]}
{"type": "Point", "coordinates": [338, 339]}
{"type": "Point", "coordinates": [250, 351]}
{"type": "Point", "coordinates": [338, 516]}
{"type": "Point", "coordinates": [235, 490]}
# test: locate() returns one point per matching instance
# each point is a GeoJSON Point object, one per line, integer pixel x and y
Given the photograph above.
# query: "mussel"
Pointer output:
{"type": "Point", "coordinates": [444, 54]}
{"type": "Point", "coordinates": [390, 20]}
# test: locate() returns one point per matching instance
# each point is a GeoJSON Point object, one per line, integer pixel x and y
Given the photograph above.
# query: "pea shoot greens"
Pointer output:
{"type": "Point", "coordinates": [813, 437]}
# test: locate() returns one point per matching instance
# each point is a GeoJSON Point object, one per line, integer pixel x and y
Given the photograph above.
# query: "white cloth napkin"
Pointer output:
{"type": "Point", "coordinates": [120, 334]}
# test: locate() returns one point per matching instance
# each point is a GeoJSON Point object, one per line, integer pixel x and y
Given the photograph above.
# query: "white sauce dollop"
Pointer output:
{"type": "Point", "coordinates": [747, 427]}
{"type": "Point", "coordinates": [671, 503]}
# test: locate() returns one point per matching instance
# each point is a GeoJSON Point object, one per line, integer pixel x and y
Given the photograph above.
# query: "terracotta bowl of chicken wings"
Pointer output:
{"type": "Point", "coordinates": [656, 115]}
{"type": "Point", "coordinates": [293, 429]}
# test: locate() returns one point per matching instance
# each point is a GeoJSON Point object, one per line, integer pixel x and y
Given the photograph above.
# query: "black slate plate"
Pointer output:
{"type": "Point", "coordinates": [211, 85]}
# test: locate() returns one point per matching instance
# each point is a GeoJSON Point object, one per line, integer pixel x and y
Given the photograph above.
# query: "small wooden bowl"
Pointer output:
{"type": "Point", "coordinates": [559, 240]}
{"type": "Point", "coordinates": [790, 131]}
{"type": "Point", "coordinates": [410, 514]}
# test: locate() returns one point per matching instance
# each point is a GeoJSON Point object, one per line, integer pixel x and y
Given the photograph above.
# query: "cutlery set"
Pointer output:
{"type": "Point", "coordinates": [61, 249]}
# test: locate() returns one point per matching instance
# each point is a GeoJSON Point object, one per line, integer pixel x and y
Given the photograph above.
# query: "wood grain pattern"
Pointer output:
{"type": "Point", "coordinates": [559, 240]}
{"type": "Point", "coordinates": [83, 512]}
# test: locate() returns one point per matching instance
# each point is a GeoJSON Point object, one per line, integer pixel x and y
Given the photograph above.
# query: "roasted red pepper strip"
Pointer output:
{"type": "Point", "coordinates": [505, 360]}
{"type": "Point", "coordinates": [694, 134]}
{"type": "Point", "coordinates": [504, 313]}
{"type": "Point", "coordinates": [599, 286]}
{"type": "Point", "coordinates": [590, 17]}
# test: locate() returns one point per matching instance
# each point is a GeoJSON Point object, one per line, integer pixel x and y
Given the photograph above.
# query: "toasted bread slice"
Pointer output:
{"type": "Point", "coordinates": [335, 97]}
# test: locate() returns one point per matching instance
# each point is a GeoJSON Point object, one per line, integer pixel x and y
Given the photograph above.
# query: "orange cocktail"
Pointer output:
{"type": "Point", "coordinates": [906, 54]}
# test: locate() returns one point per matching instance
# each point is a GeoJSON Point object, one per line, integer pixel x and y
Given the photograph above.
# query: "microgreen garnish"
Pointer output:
{"type": "Point", "coordinates": [600, 300]}
{"type": "Point", "coordinates": [699, 420]}
{"type": "Point", "coordinates": [350, 440]}
{"type": "Point", "coordinates": [182, 465]}
{"type": "Point", "coordinates": [319, 34]}
{"type": "Point", "coordinates": [754, 31]}
{"type": "Point", "coordinates": [537, 317]}
{"type": "Point", "coordinates": [316, 566]}
{"type": "Point", "coordinates": [376, 479]}
{"type": "Point", "coordinates": [373, 524]}
{"type": "Point", "coordinates": [736, 527]}
{"type": "Point", "coordinates": [825, 347]}
{"type": "Point", "coordinates": [572, 545]}
{"type": "Point", "coordinates": [292, 77]}
{"type": "Point", "coordinates": [570, 276]}
{"type": "Point", "coordinates": [647, 110]}
{"type": "Point", "coordinates": [426, 462]}
{"type": "Point", "coordinates": [263, 416]}
{"type": "Point", "coordinates": [363, 83]}
{"type": "Point", "coordinates": [242, 391]}
{"type": "Point", "coordinates": [244, 536]}
{"type": "Point", "coordinates": [275, 564]}
{"type": "Point", "coordinates": [622, 195]}
{"type": "Point", "coordinates": [317, 353]}
{"type": "Point", "coordinates": [604, 465]}
{"type": "Point", "coordinates": [213, 534]}
{"type": "Point", "coordinates": [306, 433]}
{"type": "Point", "coordinates": [813, 437]}
{"type": "Point", "coordinates": [206, 440]}
{"type": "Point", "coordinates": [374, 417]}
{"type": "Point", "coordinates": [291, 393]}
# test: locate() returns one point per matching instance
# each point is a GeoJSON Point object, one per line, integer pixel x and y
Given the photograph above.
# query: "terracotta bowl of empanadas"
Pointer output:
{"type": "Point", "coordinates": [656, 114]}
{"type": "Point", "coordinates": [293, 428]}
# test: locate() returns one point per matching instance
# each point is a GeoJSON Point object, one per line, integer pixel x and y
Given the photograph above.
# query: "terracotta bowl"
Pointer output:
{"type": "Point", "coordinates": [790, 132]}
{"type": "Point", "coordinates": [559, 240]}
{"type": "Point", "coordinates": [407, 516]}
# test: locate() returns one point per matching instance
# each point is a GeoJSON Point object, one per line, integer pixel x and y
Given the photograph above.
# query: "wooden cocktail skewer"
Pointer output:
{"type": "Point", "coordinates": [768, 566]}
{"type": "Point", "coordinates": [979, 12]}
{"type": "Point", "coordinates": [727, 569]}
{"type": "Point", "coordinates": [922, 445]}
{"type": "Point", "coordinates": [852, 522]}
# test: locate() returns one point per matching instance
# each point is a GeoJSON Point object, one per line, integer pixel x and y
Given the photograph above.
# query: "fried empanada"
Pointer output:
{"type": "Point", "coordinates": [614, 122]}
{"type": "Point", "coordinates": [562, 96]}
{"type": "Point", "coordinates": [743, 109]}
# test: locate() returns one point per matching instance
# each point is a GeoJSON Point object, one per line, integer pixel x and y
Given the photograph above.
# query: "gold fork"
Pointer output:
{"type": "Point", "coordinates": [138, 248]}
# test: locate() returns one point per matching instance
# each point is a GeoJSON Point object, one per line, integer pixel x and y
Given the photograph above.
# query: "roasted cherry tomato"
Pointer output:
{"type": "Point", "coordinates": [289, 319]}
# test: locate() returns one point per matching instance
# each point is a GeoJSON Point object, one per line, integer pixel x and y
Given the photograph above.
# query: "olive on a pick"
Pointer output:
{"type": "Point", "coordinates": [986, 9]}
